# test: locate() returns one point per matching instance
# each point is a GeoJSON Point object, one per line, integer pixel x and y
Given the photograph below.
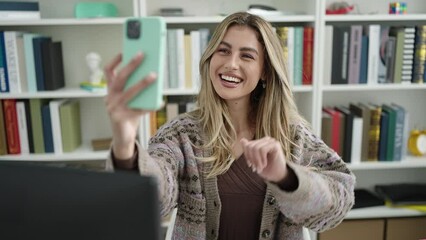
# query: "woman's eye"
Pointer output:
{"type": "Point", "coordinates": [248, 56]}
{"type": "Point", "coordinates": [223, 50]}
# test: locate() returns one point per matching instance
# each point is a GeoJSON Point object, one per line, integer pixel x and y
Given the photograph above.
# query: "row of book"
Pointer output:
{"type": "Point", "coordinates": [366, 132]}
{"type": "Point", "coordinates": [184, 52]}
{"type": "Point", "coordinates": [39, 126]}
{"type": "Point", "coordinates": [298, 44]}
{"type": "Point", "coordinates": [372, 54]}
{"type": "Point", "coordinates": [19, 10]}
{"type": "Point", "coordinates": [30, 62]}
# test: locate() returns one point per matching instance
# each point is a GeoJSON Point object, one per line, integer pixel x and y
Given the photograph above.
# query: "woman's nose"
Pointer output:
{"type": "Point", "coordinates": [232, 62]}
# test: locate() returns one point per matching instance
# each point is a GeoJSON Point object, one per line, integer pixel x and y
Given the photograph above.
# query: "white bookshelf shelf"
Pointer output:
{"type": "Point", "coordinates": [409, 162]}
{"type": "Point", "coordinates": [373, 87]}
{"type": "Point", "coordinates": [183, 92]}
{"type": "Point", "coordinates": [382, 212]}
{"type": "Point", "coordinates": [377, 17]}
{"type": "Point", "coordinates": [65, 21]}
{"type": "Point", "coordinates": [60, 93]}
{"type": "Point", "coordinates": [84, 152]}
{"type": "Point", "coordinates": [218, 19]}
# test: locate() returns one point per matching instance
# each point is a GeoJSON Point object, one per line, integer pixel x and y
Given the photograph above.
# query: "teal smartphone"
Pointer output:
{"type": "Point", "coordinates": [147, 35]}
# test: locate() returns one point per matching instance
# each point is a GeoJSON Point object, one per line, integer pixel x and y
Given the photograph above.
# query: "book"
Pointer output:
{"type": "Point", "coordinates": [11, 126]}
{"type": "Point", "coordinates": [390, 59]}
{"type": "Point", "coordinates": [69, 113]}
{"type": "Point", "coordinates": [30, 138]}
{"type": "Point", "coordinates": [348, 118]}
{"type": "Point", "coordinates": [4, 78]}
{"type": "Point", "coordinates": [99, 144]}
{"type": "Point", "coordinates": [362, 111]}
{"type": "Point", "coordinates": [54, 106]}
{"type": "Point", "coordinates": [339, 73]}
{"type": "Point", "coordinates": [22, 127]}
{"type": "Point", "coordinates": [195, 58]}
{"type": "Point", "coordinates": [365, 198]}
{"type": "Point", "coordinates": [373, 54]}
{"type": "Point", "coordinates": [354, 59]}
{"type": "Point", "coordinates": [15, 10]}
{"type": "Point", "coordinates": [336, 126]}
{"type": "Point", "coordinates": [390, 146]}
{"type": "Point", "coordinates": [402, 193]}
{"type": "Point", "coordinates": [384, 35]}
{"type": "Point", "coordinates": [29, 61]}
{"type": "Point", "coordinates": [53, 67]}
{"type": "Point", "coordinates": [37, 125]}
{"type": "Point", "coordinates": [298, 56]}
{"type": "Point", "coordinates": [399, 34]}
{"type": "Point", "coordinates": [419, 55]}
{"type": "Point", "coordinates": [38, 61]}
{"type": "Point", "coordinates": [328, 53]}
{"type": "Point", "coordinates": [326, 128]}
{"type": "Point", "coordinates": [3, 141]}
{"type": "Point", "coordinates": [399, 131]}
{"type": "Point", "coordinates": [47, 128]}
{"type": "Point", "coordinates": [15, 60]}
{"type": "Point", "coordinates": [363, 68]}
{"type": "Point", "coordinates": [356, 140]}
{"type": "Point", "coordinates": [374, 133]}
{"type": "Point", "coordinates": [383, 140]}
{"type": "Point", "coordinates": [308, 55]}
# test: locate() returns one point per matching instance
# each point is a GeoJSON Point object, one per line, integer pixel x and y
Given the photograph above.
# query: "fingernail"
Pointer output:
{"type": "Point", "coordinates": [249, 164]}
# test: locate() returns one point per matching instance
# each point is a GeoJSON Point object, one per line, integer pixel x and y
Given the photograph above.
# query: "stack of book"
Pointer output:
{"type": "Point", "coordinates": [14, 10]}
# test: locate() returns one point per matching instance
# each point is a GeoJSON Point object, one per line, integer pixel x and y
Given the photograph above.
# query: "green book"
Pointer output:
{"type": "Point", "coordinates": [391, 132]}
{"type": "Point", "coordinates": [37, 124]}
{"type": "Point", "coordinates": [399, 33]}
{"type": "Point", "coordinates": [69, 114]}
{"type": "Point", "coordinates": [298, 56]}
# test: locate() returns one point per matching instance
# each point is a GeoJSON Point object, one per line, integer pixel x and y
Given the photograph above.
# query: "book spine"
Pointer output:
{"type": "Point", "coordinates": [12, 129]}
{"type": "Point", "coordinates": [196, 57]}
{"type": "Point", "coordinates": [328, 53]}
{"type": "Point", "coordinates": [4, 78]}
{"type": "Point", "coordinates": [19, 6]}
{"type": "Point", "coordinates": [3, 140]}
{"type": "Point", "coordinates": [29, 58]}
{"type": "Point", "coordinates": [47, 129]}
{"type": "Point", "coordinates": [22, 127]}
{"type": "Point", "coordinates": [373, 54]}
{"type": "Point", "coordinates": [420, 55]}
{"type": "Point", "coordinates": [354, 58]}
{"type": "Point", "coordinates": [298, 55]}
{"type": "Point", "coordinates": [363, 71]}
{"type": "Point", "coordinates": [12, 60]}
{"type": "Point", "coordinates": [374, 134]}
{"type": "Point", "coordinates": [308, 47]}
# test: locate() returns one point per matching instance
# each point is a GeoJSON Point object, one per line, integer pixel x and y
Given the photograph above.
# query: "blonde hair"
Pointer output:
{"type": "Point", "coordinates": [273, 108]}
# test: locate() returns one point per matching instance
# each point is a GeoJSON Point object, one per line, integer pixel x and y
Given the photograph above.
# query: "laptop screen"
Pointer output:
{"type": "Point", "coordinates": [41, 202]}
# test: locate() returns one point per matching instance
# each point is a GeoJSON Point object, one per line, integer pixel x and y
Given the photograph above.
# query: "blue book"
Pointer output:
{"type": "Point", "coordinates": [399, 131]}
{"type": "Point", "coordinates": [47, 128]}
{"type": "Point", "coordinates": [18, 6]}
{"type": "Point", "coordinates": [298, 56]}
{"type": "Point", "coordinates": [38, 61]}
{"type": "Point", "coordinates": [4, 78]}
{"type": "Point", "coordinates": [364, 60]}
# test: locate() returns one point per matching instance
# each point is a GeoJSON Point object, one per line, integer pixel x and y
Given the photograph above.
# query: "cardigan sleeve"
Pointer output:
{"type": "Point", "coordinates": [326, 186]}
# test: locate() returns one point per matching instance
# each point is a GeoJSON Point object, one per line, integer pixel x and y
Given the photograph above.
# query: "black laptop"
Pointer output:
{"type": "Point", "coordinates": [41, 202]}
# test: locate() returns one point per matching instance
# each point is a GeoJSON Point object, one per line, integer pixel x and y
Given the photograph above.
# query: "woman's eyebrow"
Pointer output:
{"type": "Point", "coordinates": [245, 49]}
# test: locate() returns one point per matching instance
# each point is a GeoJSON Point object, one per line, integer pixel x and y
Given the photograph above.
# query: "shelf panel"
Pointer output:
{"type": "Point", "coordinates": [183, 92]}
{"type": "Point", "coordinates": [66, 21]}
{"type": "Point", "coordinates": [83, 153]}
{"type": "Point", "coordinates": [409, 162]}
{"type": "Point", "coordinates": [382, 212]}
{"type": "Point", "coordinates": [60, 93]}
{"type": "Point", "coordinates": [372, 87]}
{"type": "Point", "coordinates": [218, 19]}
{"type": "Point", "coordinates": [373, 18]}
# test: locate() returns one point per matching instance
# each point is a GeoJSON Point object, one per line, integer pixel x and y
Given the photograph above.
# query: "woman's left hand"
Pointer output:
{"type": "Point", "coordinates": [265, 156]}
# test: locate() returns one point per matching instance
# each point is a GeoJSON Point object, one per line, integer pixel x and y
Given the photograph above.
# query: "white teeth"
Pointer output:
{"type": "Point", "coordinates": [231, 79]}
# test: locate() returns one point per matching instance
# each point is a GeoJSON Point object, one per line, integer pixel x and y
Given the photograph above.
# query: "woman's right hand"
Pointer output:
{"type": "Point", "coordinates": [124, 120]}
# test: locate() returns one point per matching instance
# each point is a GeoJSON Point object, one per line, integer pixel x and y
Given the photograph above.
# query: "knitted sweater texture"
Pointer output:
{"type": "Point", "coordinates": [324, 195]}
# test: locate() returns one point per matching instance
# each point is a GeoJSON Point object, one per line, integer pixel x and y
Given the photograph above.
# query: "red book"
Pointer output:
{"type": "Point", "coordinates": [335, 129]}
{"type": "Point", "coordinates": [11, 125]}
{"type": "Point", "coordinates": [308, 55]}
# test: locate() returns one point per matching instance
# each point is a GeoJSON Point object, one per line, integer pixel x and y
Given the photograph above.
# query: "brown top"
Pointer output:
{"type": "Point", "coordinates": [242, 193]}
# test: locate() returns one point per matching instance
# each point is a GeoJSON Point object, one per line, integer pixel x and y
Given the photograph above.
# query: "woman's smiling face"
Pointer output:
{"type": "Point", "coordinates": [237, 64]}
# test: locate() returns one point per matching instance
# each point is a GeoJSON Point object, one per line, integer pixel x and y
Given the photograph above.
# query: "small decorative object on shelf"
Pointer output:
{"type": "Point", "coordinates": [95, 10]}
{"type": "Point", "coordinates": [339, 8]}
{"type": "Point", "coordinates": [417, 142]}
{"type": "Point", "coordinates": [398, 8]}
{"type": "Point", "coordinates": [96, 81]}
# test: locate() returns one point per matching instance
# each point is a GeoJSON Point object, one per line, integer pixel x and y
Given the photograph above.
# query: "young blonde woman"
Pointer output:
{"type": "Point", "coordinates": [245, 164]}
